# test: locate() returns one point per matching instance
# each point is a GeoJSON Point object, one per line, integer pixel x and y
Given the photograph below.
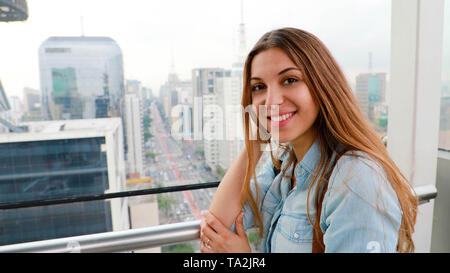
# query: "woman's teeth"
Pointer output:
{"type": "Point", "coordinates": [281, 118]}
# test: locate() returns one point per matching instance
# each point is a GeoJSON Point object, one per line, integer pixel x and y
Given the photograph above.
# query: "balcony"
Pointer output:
{"type": "Point", "coordinates": [413, 122]}
{"type": "Point", "coordinates": [135, 239]}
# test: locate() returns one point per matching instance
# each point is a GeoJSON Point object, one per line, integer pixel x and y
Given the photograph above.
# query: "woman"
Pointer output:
{"type": "Point", "coordinates": [331, 186]}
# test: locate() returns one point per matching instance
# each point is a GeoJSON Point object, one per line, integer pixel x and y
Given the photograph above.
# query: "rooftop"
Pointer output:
{"type": "Point", "coordinates": [63, 129]}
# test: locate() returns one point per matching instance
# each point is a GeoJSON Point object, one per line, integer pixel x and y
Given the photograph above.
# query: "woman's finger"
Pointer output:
{"type": "Point", "coordinates": [204, 249]}
{"type": "Point", "coordinates": [211, 234]}
{"type": "Point", "coordinates": [240, 225]}
{"type": "Point", "coordinates": [206, 241]}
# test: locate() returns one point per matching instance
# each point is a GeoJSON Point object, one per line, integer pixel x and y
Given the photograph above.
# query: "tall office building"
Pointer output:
{"type": "Point", "coordinates": [203, 83]}
{"type": "Point", "coordinates": [133, 87]}
{"type": "Point", "coordinates": [58, 159]}
{"type": "Point", "coordinates": [208, 120]}
{"type": "Point", "coordinates": [168, 93]}
{"type": "Point", "coordinates": [181, 112]}
{"type": "Point", "coordinates": [217, 118]}
{"type": "Point", "coordinates": [370, 91]}
{"type": "Point", "coordinates": [146, 93]}
{"type": "Point", "coordinates": [135, 136]}
{"type": "Point", "coordinates": [233, 125]}
{"type": "Point", "coordinates": [81, 77]}
{"type": "Point", "coordinates": [232, 96]}
{"type": "Point", "coordinates": [32, 109]}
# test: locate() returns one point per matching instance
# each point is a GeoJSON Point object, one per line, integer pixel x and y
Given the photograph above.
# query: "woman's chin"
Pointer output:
{"type": "Point", "coordinates": [281, 138]}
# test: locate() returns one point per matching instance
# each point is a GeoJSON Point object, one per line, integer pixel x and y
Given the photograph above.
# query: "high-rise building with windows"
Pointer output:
{"type": "Point", "coordinates": [32, 109]}
{"type": "Point", "coordinates": [135, 136]}
{"type": "Point", "coordinates": [232, 96]}
{"type": "Point", "coordinates": [81, 77]}
{"type": "Point", "coordinates": [208, 87]}
{"type": "Point", "coordinates": [370, 93]}
{"type": "Point", "coordinates": [58, 159]}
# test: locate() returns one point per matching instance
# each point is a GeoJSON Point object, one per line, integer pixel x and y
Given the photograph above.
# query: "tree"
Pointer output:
{"type": "Point", "coordinates": [147, 136]}
{"type": "Point", "coordinates": [165, 203]}
{"type": "Point", "coordinates": [150, 155]}
{"type": "Point", "coordinates": [220, 171]}
{"type": "Point", "coordinates": [178, 248]}
{"type": "Point", "coordinates": [147, 122]}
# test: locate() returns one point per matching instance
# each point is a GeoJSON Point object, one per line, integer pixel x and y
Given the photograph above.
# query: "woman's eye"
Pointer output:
{"type": "Point", "coordinates": [257, 87]}
{"type": "Point", "coordinates": [290, 80]}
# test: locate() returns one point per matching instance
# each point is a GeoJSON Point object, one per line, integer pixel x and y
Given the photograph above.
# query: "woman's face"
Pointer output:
{"type": "Point", "coordinates": [277, 83]}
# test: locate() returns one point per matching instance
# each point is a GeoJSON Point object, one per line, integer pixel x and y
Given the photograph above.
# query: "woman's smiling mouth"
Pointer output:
{"type": "Point", "coordinates": [281, 120]}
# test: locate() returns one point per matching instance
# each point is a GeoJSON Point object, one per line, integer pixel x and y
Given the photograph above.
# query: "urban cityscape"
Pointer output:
{"type": "Point", "coordinates": [87, 129]}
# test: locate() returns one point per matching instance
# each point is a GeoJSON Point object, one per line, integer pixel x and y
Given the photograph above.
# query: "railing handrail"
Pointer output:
{"type": "Point", "coordinates": [127, 240]}
{"type": "Point", "coordinates": [111, 195]}
{"type": "Point", "coordinates": [114, 241]}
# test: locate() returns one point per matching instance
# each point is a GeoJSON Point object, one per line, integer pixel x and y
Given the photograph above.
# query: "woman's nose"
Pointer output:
{"type": "Point", "coordinates": [274, 97]}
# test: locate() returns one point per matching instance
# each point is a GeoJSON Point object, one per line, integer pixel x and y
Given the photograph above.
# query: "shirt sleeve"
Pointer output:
{"type": "Point", "coordinates": [360, 210]}
{"type": "Point", "coordinates": [264, 180]}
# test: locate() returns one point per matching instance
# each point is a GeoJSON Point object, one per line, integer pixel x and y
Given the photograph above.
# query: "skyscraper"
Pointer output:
{"type": "Point", "coordinates": [232, 101]}
{"type": "Point", "coordinates": [81, 77]}
{"type": "Point", "coordinates": [207, 91]}
{"type": "Point", "coordinates": [58, 159]}
{"type": "Point", "coordinates": [32, 104]}
{"type": "Point", "coordinates": [370, 91]}
{"type": "Point", "coordinates": [135, 136]}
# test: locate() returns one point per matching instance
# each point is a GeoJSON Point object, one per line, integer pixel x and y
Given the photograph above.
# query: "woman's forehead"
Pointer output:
{"type": "Point", "coordinates": [269, 62]}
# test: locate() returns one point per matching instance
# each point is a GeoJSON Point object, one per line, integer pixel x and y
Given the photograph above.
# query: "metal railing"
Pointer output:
{"type": "Point", "coordinates": [116, 241]}
{"type": "Point", "coordinates": [134, 239]}
{"type": "Point", "coordinates": [103, 196]}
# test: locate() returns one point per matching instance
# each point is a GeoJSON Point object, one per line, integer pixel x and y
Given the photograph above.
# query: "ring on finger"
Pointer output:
{"type": "Point", "coordinates": [207, 243]}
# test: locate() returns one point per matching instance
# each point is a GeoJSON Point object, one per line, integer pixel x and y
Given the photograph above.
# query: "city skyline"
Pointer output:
{"type": "Point", "coordinates": [150, 38]}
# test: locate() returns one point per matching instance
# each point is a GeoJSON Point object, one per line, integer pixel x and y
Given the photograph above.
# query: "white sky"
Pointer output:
{"type": "Point", "coordinates": [198, 33]}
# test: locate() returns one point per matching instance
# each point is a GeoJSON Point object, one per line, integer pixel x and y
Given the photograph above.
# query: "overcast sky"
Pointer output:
{"type": "Point", "coordinates": [198, 33]}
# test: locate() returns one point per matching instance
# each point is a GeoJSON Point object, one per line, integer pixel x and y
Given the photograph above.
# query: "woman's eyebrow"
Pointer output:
{"type": "Point", "coordinates": [279, 73]}
{"type": "Point", "coordinates": [288, 69]}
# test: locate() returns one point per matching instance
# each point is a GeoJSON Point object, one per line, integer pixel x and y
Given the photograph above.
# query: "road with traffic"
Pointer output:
{"type": "Point", "coordinates": [177, 163]}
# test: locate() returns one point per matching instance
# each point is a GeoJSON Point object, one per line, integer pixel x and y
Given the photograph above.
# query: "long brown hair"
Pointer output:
{"type": "Point", "coordinates": [340, 127]}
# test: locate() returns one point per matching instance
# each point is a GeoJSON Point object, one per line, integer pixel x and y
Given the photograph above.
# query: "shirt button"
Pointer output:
{"type": "Point", "coordinates": [296, 235]}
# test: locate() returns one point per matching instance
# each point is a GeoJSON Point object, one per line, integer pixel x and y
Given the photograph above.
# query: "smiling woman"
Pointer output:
{"type": "Point", "coordinates": [332, 186]}
{"type": "Point", "coordinates": [278, 84]}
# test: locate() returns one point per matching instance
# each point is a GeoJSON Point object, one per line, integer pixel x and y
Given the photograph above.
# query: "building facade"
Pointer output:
{"type": "Point", "coordinates": [32, 109]}
{"type": "Point", "coordinates": [135, 135]}
{"type": "Point", "coordinates": [208, 88]}
{"type": "Point", "coordinates": [81, 77]}
{"type": "Point", "coordinates": [58, 159]}
{"type": "Point", "coordinates": [370, 93]}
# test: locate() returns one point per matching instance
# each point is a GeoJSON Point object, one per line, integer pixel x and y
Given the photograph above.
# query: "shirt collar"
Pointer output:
{"type": "Point", "coordinates": [309, 161]}
{"type": "Point", "coordinates": [311, 158]}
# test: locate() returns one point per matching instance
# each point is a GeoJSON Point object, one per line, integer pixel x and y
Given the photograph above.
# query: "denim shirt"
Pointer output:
{"type": "Point", "coordinates": [360, 210]}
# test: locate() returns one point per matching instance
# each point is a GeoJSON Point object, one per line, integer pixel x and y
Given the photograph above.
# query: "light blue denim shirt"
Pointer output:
{"type": "Point", "coordinates": [360, 210]}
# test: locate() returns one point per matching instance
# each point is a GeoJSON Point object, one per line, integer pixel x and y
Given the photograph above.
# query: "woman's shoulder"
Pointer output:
{"type": "Point", "coordinates": [360, 206]}
{"type": "Point", "coordinates": [357, 163]}
{"type": "Point", "coordinates": [360, 173]}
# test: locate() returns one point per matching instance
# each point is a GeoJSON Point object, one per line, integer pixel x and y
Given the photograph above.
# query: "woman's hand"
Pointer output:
{"type": "Point", "coordinates": [216, 238]}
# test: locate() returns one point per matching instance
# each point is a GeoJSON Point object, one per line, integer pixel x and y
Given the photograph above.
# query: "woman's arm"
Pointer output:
{"type": "Point", "coordinates": [226, 205]}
